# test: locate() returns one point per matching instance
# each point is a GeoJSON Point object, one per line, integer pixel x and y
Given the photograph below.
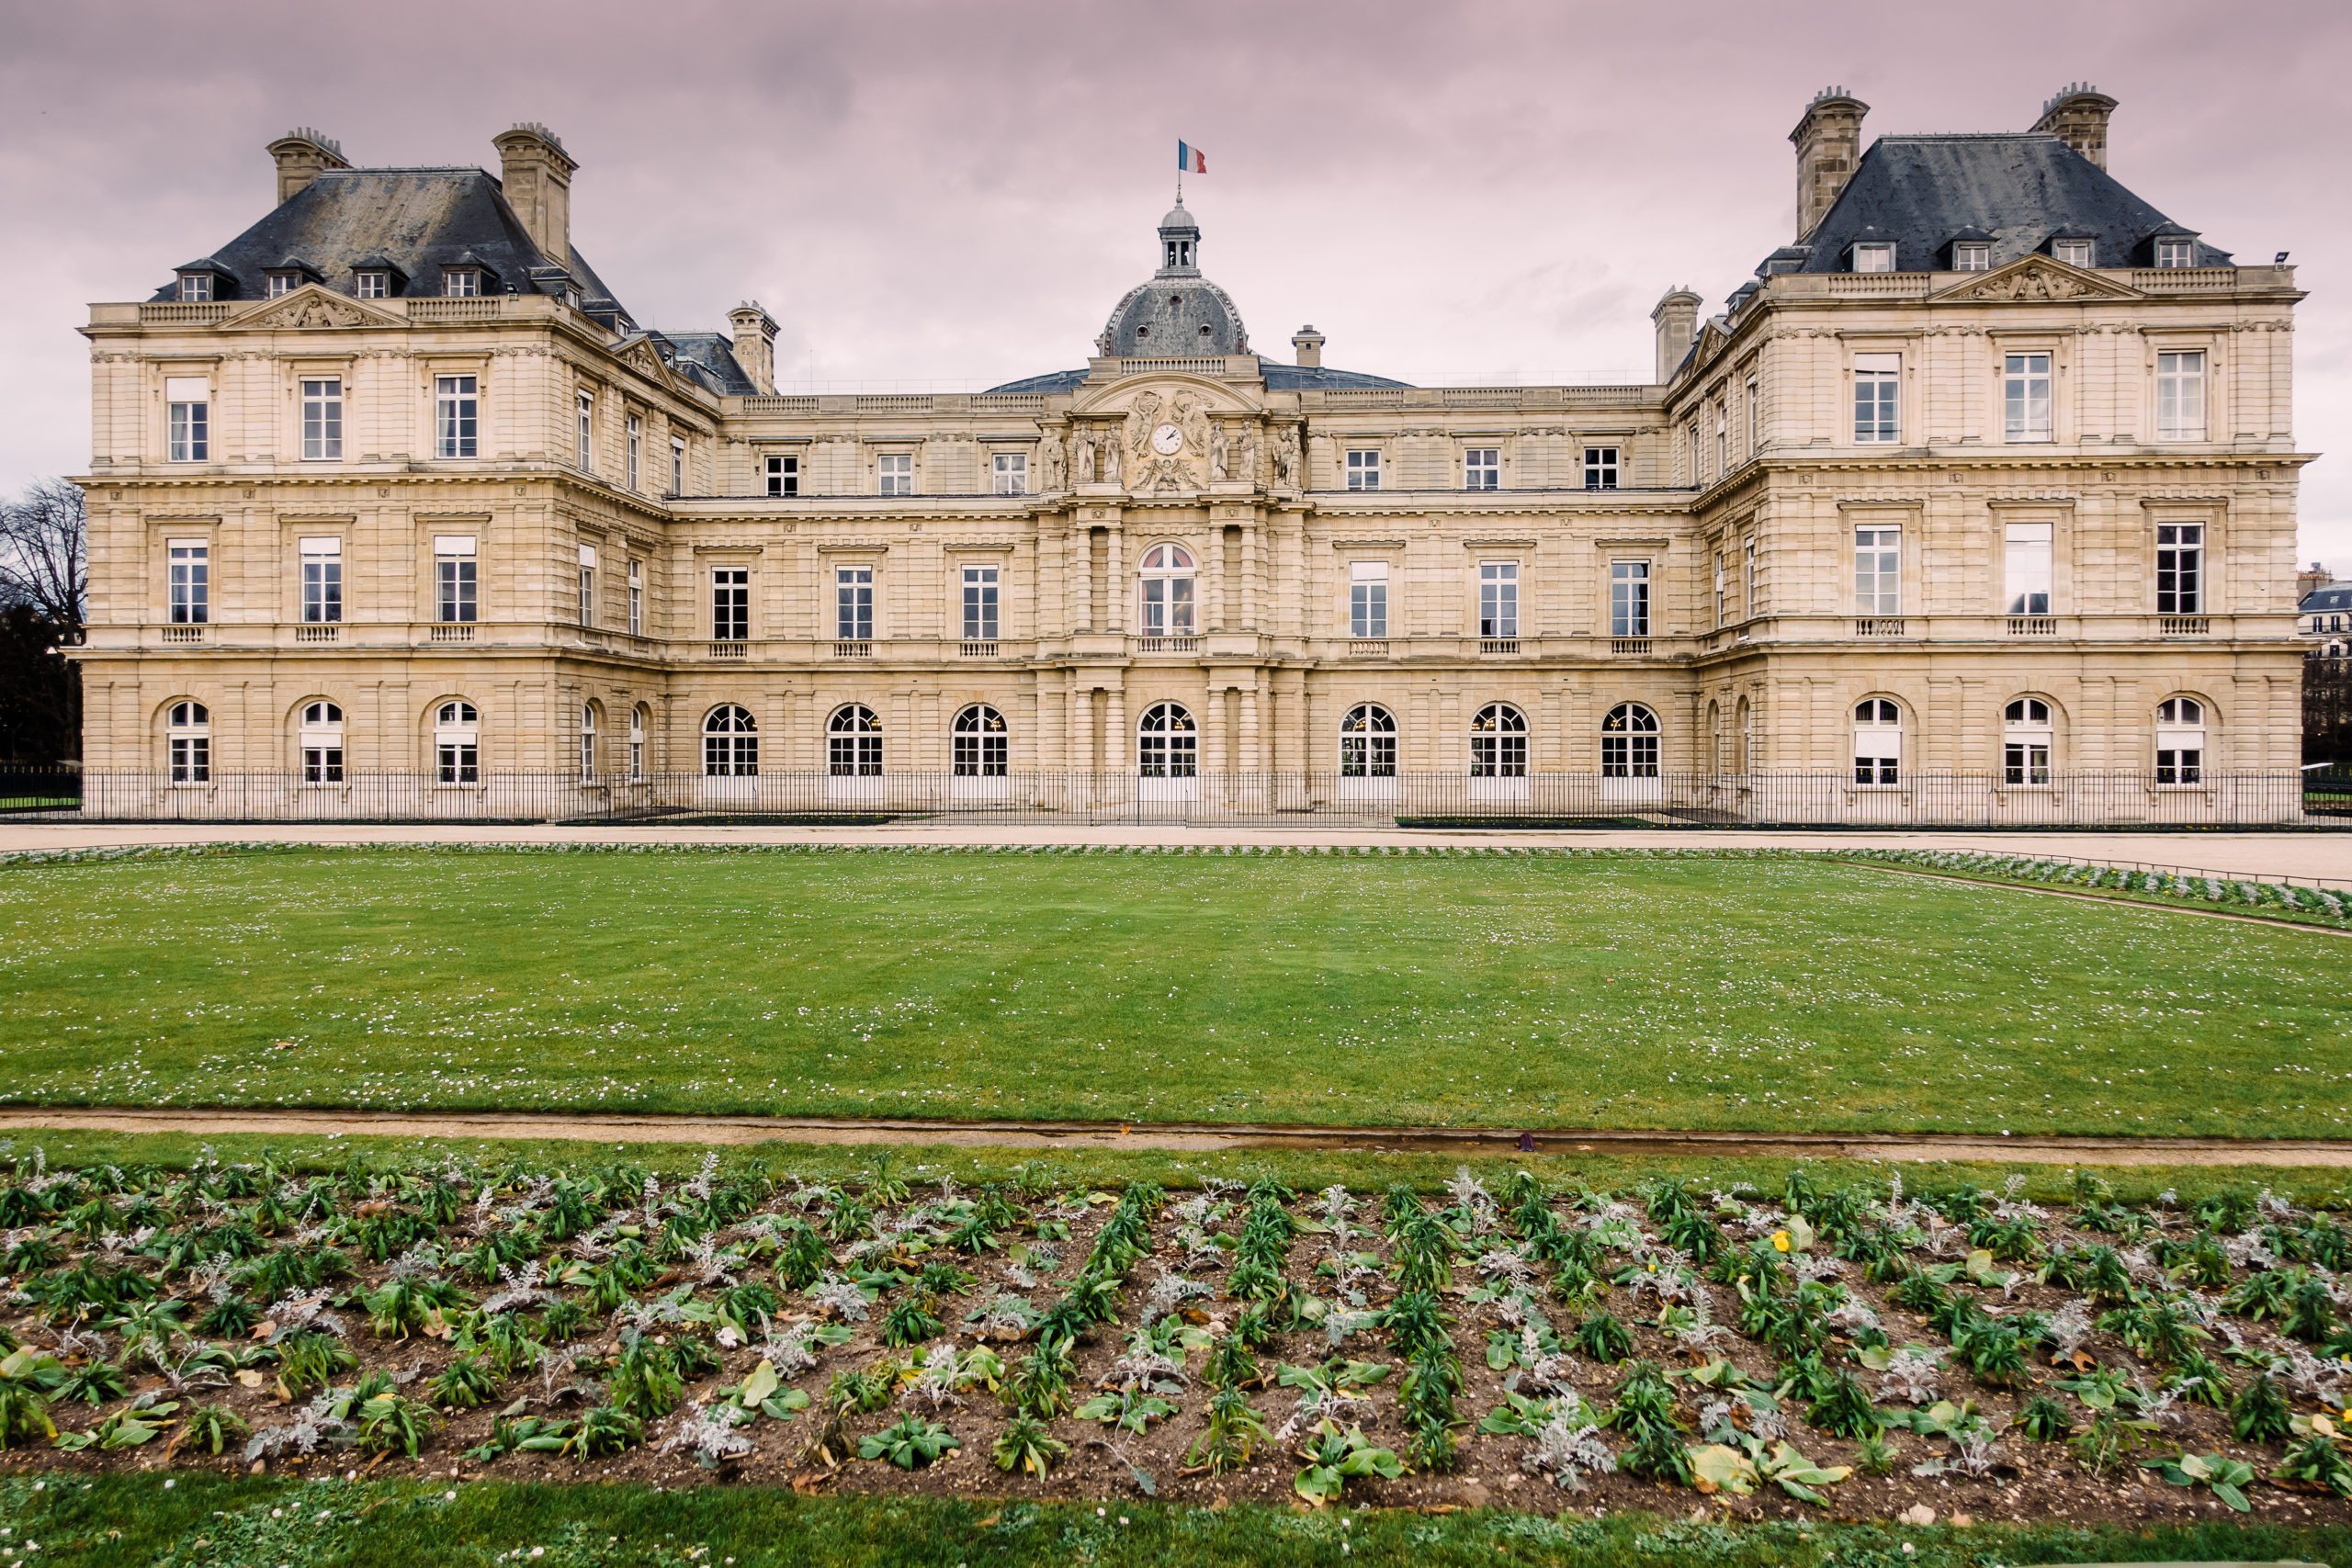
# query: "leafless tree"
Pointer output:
{"type": "Point", "coordinates": [45, 554]}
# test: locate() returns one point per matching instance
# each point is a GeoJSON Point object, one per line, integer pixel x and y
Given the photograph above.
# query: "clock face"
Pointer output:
{"type": "Point", "coordinates": [1166, 439]}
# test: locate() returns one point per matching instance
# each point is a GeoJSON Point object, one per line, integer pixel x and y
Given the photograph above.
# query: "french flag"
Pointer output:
{"type": "Point", "coordinates": [1191, 160]}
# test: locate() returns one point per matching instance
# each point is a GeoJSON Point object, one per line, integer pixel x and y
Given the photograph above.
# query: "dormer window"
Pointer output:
{"type": "Point", "coordinates": [1971, 255]}
{"type": "Point", "coordinates": [461, 282]}
{"type": "Point", "coordinates": [277, 283]}
{"type": "Point", "coordinates": [372, 285]}
{"type": "Point", "coordinates": [2076, 252]}
{"type": "Point", "coordinates": [2175, 252]}
{"type": "Point", "coordinates": [196, 287]}
{"type": "Point", "coordinates": [1876, 255]}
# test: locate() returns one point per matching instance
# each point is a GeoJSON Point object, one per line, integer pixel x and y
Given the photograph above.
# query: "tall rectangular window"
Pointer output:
{"type": "Point", "coordinates": [1601, 468]}
{"type": "Point", "coordinates": [730, 603]}
{"type": "Point", "coordinates": [1364, 468]}
{"type": "Point", "coordinates": [636, 598]}
{"type": "Point", "coordinates": [2025, 565]}
{"type": "Point", "coordinates": [634, 430]}
{"type": "Point", "coordinates": [1368, 598]}
{"type": "Point", "coordinates": [1878, 571]}
{"type": "Point", "coordinates": [456, 416]}
{"type": "Point", "coordinates": [457, 573]}
{"type": "Point", "coordinates": [1723, 589]}
{"type": "Point", "coordinates": [322, 418]}
{"type": "Point", "coordinates": [1481, 468]}
{"type": "Point", "coordinates": [188, 402]}
{"type": "Point", "coordinates": [1498, 598]}
{"type": "Point", "coordinates": [1629, 598]}
{"type": "Point", "coordinates": [853, 604]}
{"type": "Point", "coordinates": [1722, 440]}
{"type": "Point", "coordinates": [584, 431]}
{"type": "Point", "coordinates": [1755, 417]}
{"type": "Point", "coordinates": [191, 582]}
{"type": "Point", "coordinates": [2180, 569]}
{"type": "Point", "coordinates": [1877, 397]}
{"type": "Point", "coordinates": [322, 580]}
{"type": "Point", "coordinates": [1747, 577]}
{"type": "Point", "coordinates": [2025, 397]}
{"type": "Point", "coordinates": [1012, 473]}
{"type": "Point", "coordinates": [587, 585]}
{"type": "Point", "coordinates": [677, 465]}
{"type": "Point", "coordinates": [895, 472]}
{"type": "Point", "coordinates": [784, 476]}
{"type": "Point", "coordinates": [979, 604]}
{"type": "Point", "coordinates": [2180, 395]}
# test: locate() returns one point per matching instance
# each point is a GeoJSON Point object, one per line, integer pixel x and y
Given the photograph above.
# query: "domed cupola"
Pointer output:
{"type": "Point", "coordinates": [1178, 314]}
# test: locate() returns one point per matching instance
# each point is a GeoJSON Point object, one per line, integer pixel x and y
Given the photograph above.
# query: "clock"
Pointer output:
{"type": "Point", "coordinates": [1166, 439]}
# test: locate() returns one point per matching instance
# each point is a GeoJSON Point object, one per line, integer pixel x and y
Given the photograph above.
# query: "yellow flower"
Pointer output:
{"type": "Point", "coordinates": [1779, 1241]}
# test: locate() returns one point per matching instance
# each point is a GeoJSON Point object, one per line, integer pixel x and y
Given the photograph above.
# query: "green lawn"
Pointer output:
{"type": "Point", "coordinates": [1768, 993]}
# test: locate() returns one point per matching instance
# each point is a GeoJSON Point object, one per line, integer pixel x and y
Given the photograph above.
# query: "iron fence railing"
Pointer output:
{"type": "Point", "coordinates": [1921, 800]}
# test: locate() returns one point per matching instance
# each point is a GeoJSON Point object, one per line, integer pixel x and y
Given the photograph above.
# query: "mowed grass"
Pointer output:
{"type": "Point", "coordinates": [1675, 991]}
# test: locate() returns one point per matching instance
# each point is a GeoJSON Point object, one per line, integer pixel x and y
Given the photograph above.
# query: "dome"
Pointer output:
{"type": "Point", "coordinates": [1179, 219]}
{"type": "Point", "coordinates": [1176, 314]}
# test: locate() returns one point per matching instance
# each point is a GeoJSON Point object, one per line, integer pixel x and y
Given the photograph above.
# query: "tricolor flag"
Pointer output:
{"type": "Point", "coordinates": [1191, 160]}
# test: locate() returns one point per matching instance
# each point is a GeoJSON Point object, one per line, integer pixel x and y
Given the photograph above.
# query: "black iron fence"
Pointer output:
{"type": "Point", "coordinates": [1922, 800]}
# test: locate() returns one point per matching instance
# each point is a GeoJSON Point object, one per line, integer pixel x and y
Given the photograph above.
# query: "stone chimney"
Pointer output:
{"type": "Point", "coordinates": [756, 345]}
{"type": "Point", "coordinates": [1677, 319]}
{"type": "Point", "coordinates": [536, 174]}
{"type": "Point", "coordinates": [1829, 143]}
{"type": "Point", "coordinates": [2077, 113]}
{"type": "Point", "coordinates": [303, 156]}
{"type": "Point", "coordinates": [1307, 345]}
{"type": "Point", "coordinates": [2310, 580]}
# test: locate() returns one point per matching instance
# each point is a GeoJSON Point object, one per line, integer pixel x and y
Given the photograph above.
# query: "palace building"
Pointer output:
{"type": "Point", "coordinates": [1975, 503]}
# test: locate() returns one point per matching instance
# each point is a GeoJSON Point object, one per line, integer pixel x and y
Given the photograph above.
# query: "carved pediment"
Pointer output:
{"type": "Point", "coordinates": [2034, 278]}
{"type": "Point", "coordinates": [310, 306]}
{"type": "Point", "coordinates": [642, 357]}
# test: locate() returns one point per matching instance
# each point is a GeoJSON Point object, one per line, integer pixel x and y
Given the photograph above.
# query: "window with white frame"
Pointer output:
{"type": "Point", "coordinates": [1368, 742]}
{"type": "Point", "coordinates": [784, 475]}
{"type": "Point", "coordinates": [190, 581]}
{"type": "Point", "coordinates": [456, 416]}
{"type": "Point", "coordinates": [587, 585]}
{"type": "Point", "coordinates": [1498, 599]}
{"type": "Point", "coordinates": [587, 742]}
{"type": "Point", "coordinates": [2180, 395]}
{"type": "Point", "coordinates": [1748, 584]}
{"type": "Point", "coordinates": [1690, 449]}
{"type": "Point", "coordinates": [2075, 251]}
{"type": "Point", "coordinates": [319, 738]}
{"type": "Point", "coordinates": [584, 431]}
{"type": "Point", "coordinates": [1722, 591]}
{"type": "Point", "coordinates": [854, 743]}
{"type": "Point", "coordinates": [1167, 578]}
{"type": "Point", "coordinates": [1363, 467]}
{"type": "Point", "coordinates": [322, 580]}
{"type": "Point", "coordinates": [456, 744]}
{"type": "Point", "coordinates": [372, 283]}
{"type": "Point", "coordinates": [275, 285]}
{"type": "Point", "coordinates": [1481, 468]}
{"type": "Point", "coordinates": [457, 578]}
{"type": "Point", "coordinates": [2026, 738]}
{"type": "Point", "coordinates": [1368, 599]}
{"type": "Point", "coordinates": [2175, 252]}
{"type": "Point", "coordinates": [322, 418]}
{"type": "Point", "coordinates": [1498, 743]}
{"type": "Point", "coordinates": [1874, 256]}
{"type": "Point", "coordinates": [1601, 468]}
{"type": "Point", "coordinates": [2180, 741]}
{"type": "Point", "coordinates": [1752, 394]}
{"type": "Point", "coordinates": [730, 743]}
{"type": "Point", "coordinates": [187, 402]}
{"type": "Point", "coordinates": [1878, 571]}
{"type": "Point", "coordinates": [2025, 567]}
{"type": "Point", "coordinates": [979, 603]}
{"type": "Point", "coordinates": [633, 432]}
{"type": "Point", "coordinates": [2180, 569]}
{"type": "Point", "coordinates": [1629, 743]}
{"type": "Point", "coordinates": [1010, 471]}
{"type": "Point", "coordinates": [188, 739]}
{"type": "Point", "coordinates": [677, 465]}
{"type": "Point", "coordinates": [1723, 438]}
{"type": "Point", "coordinates": [637, 743]}
{"type": "Point", "coordinates": [2025, 397]}
{"type": "Point", "coordinates": [1168, 742]}
{"type": "Point", "coordinates": [196, 288]}
{"type": "Point", "coordinates": [1878, 741]}
{"type": "Point", "coordinates": [730, 603]}
{"type": "Point", "coordinates": [461, 282]}
{"type": "Point", "coordinates": [636, 598]}
{"type": "Point", "coordinates": [894, 473]}
{"type": "Point", "coordinates": [1971, 255]}
{"type": "Point", "coordinates": [1878, 398]}
{"type": "Point", "coordinates": [1629, 598]}
{"type": "Point", "coordinates": [854, 602]}
{"type": "Point", "coordinates": [978, 746]}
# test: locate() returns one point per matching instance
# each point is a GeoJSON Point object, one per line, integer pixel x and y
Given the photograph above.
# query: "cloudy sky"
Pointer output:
{"type": "Point", "coordinates": [950, 194]}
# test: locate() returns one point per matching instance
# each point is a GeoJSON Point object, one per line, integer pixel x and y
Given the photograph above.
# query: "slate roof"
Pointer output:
{"type": "Point", "coordinates": [706, 357]}
{"type": "Point", "coordinates": [1279, 379]}
{"type": "Point", "coordinates": [2335, 596]}
{"type": "Point", "coordinates": [1923, 191]}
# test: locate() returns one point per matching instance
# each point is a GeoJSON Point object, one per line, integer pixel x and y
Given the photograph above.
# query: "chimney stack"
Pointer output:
{"type": "Point", "coordinates": [536, 174]}
{"type": "Point", "coordinates": [303, 156]}
{"type": "Point", "coordinates": [1307, 343]}
{"type": "Point", "coordinates": [756, 345]}
{"type": "Point", "coordinates": [2077, 113]}
{"type": "Point", "coordinates": [1676, 319]}
{"type": "Point", "coordinates": [1829, 143]}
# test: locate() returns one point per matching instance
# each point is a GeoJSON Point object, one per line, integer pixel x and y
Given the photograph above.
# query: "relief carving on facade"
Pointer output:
{"type": "Point", "coordinates": [313, 307]}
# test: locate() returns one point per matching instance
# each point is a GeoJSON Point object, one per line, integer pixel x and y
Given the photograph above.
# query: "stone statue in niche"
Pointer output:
{"type": "Point", "coordinates": [1190, 418]}
{"type": "Point", "coordinates": [1049, 462]}
{"type": "Point", "coordinates": [1286, 458]}
{"type": "Point", "coordinates": [1249, 466]}
{"type": "Point", "coordinates": [1220, 453]}
{"type": "Point", "coordinates": [1110, 462]}
{"type": "Point", "coordinates": [1085, 458]}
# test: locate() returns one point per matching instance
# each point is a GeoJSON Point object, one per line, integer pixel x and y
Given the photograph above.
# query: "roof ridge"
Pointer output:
{"type": "Point", "coordinates": [1969, 136]}
{"type": "Point", "coordinates": [409, 169]}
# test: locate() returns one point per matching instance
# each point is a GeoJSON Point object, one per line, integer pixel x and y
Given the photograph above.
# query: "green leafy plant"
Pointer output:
{"type": "Point", "coordinates": [465, 1384]}
{"type": "Point", "coordinates": [1335, 1456]}
{"type": "Point", "coordinates": [1233, 1434]}
{"type": "Point", "coordinates": [911, 1442]}
{"type": "Point", "coordinates": [1029, 1446]}
{"type": "Point", "coordinates": [2317, 1461]}
{"type": "Point", "coordinates": [603, 1430]}
{"type": "Point", "coordinates": [1604, 1338]}
{"type": "Point", "coordinates": [2259, 1414]}
{"type": "Point", "coordinates": [209, 1428]}
{"type": "Point", "coordinates": [2045, 1420]}
{"type": "Point", "coordinates": [1125, 1409]}
{"type": "Point", "coordinates": [1844, 1409]}
{"type": "Point", "coordinates": [391, 1422]}
{"type": "Point", "coordinates": [911, 1322]}
{"type": "Point", "coordinates": [2226, 1477]}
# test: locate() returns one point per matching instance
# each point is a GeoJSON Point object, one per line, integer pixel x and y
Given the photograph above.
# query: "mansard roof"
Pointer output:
{"type": "Point", "coordinates": [2018, 190]}
{"type": "Point", "coordinates": [707, 359]}
{"type": "Point", "coordinates": [1279, 379]}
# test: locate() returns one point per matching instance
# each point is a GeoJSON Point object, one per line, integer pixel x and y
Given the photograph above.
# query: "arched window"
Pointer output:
{"type": "Point", "coordinates": [637, 743]}
{"type": "Point", "coordinates": [731, 744]}
{"type": "Point", "coordinates": [1167, 591]}
{"type": "Point", "coordinates": [1168, 743]}
{"type": "Point", "coordinates": [188, 735]}
{"type": "Point", "coordinates": [979, 747]}
{"type": "Point", "coordinates": [587, 742]}
{"type": "Point", "coordinates": [2180, 741]}
{"type": "Point", "coordinates": [1498, 743]}
{"type": "Point", "coordinates": [2025, 741]}
{"type": "Point", "coordinates": [1629, 743]}
{"type": "Point", "coordinates": [1878, 741]}
{"type": "Point", "coordinates": [320, 741]}
{"type": "Point", "coordinates": [456, 742]}
{"type": "Point", "coordinates": [854, 743]}
{"type": "Point", "coordinates": [1368, 742]}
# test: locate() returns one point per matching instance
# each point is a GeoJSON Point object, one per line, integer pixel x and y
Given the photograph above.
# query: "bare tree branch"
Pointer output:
{"type": "Point", "coordinates": [45, 553]}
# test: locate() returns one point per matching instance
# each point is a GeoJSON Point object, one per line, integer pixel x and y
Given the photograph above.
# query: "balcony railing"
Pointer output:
{"type": "Point", "coordinates": [325, 631]}
{"type": "Point", "coordinates": [978, 647]}
{"type": "Point", "coordinates": [2032, 625]}
{"type": "Point", "coordinates": [1368, 647]}
{"type": "Point", "coordinates": [183, 634]}
{"type": "Point", "coordinates": [1636, 645]}
{"type": "Point", "coordinates": [1878, 625]}
{"type": "Point", "coordinates": [853, 648]}
{"type": "Point", "coordinates": [2184, 626]}
{"type": "Point", "coordinates": [728, 647]}
{"type": "Point", "coordinates": [1168, 645]}
{"type": "Point", "coordinates": [453, 631]}
{"type": "Point", "coordinates": [1494, 647]}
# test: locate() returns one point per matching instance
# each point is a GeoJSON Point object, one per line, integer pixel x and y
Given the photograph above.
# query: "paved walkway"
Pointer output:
{"type": "Point", "coordinates": [2311, 858]}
